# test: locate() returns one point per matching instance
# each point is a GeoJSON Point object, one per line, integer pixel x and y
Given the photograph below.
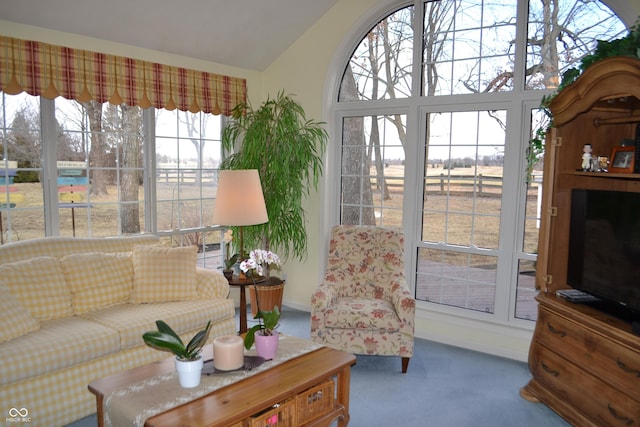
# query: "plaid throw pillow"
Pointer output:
{"type": "Point", "coordinates": [163, 274]}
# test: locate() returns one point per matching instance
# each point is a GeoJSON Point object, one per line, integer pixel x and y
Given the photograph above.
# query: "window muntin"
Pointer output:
{"type": "Point", "coordinates": [21, 196]}
{"type": "Point", "coordinates": [100, 169]}
{"type": "Point", "coordinates": [468, 46]}
{"type": "Point", "coordinates": [457, 279]}
{"type": "Point", "coordinates": [381, 66]}
{"type": "Point", "coordinates": [463, 183]}
{"type": "Point", "coordinates": [555, 45]}
{"type": "Point", "coordinates": [188, 153]}
{"type": "Point", "coordinates": [373, 170]}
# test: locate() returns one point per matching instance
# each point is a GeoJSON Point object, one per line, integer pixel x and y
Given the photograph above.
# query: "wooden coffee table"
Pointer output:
{"type": "Point", "coordinates": [232, 404]}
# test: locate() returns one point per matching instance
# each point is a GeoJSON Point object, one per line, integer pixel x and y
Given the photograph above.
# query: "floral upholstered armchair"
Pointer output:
{"type": "Point", "coordinates": [363, 306]}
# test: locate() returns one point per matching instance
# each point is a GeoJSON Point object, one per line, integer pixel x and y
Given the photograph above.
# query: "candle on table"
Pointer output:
{"type": "Point", "coordinates": [228, 352]}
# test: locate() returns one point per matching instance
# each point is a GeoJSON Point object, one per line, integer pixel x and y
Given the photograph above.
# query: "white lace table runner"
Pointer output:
{"type": "Point", "coordinates": [132, 405]}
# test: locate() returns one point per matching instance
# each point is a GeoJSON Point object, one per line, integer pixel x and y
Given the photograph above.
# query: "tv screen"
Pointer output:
{"type": "Point", "coordinates": [604, 246]}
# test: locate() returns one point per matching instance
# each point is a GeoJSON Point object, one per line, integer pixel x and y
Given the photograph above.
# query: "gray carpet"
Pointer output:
{"type": "Point", "coordinates": [444, 386]}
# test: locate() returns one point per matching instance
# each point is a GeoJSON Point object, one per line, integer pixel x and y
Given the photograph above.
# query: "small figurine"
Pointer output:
{"type": "Point", "coordinates": [586, 157]}
{"type": "Point", "coordinates": [603, 163]}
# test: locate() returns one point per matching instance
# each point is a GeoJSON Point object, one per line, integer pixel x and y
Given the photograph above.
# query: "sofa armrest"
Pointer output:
{"type": "Point", "coordinates": [211, 284]}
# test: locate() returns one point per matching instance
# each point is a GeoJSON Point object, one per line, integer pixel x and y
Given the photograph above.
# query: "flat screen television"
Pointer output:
{"type": "Point", "coordinates": [604, 248]}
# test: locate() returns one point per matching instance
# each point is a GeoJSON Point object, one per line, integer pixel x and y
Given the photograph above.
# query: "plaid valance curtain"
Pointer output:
{"type": "Point", "coordinates": [48, 70]}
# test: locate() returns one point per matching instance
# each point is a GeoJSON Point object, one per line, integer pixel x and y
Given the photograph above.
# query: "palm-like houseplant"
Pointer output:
{"type": "Point", "coordinates": [287, 150]}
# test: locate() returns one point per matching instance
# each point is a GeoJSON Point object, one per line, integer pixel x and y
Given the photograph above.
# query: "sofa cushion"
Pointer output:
{"type": "Point", "coordinates": [40, 285]}
{"type": "Point", "coordinates": [131, 320]}
{"type": "Point", "coordinates": [162, 274]}
{"type": "Point", "coordinates": [98, 280]}
{"type": "Point", "coordinates": [58, 344]}
{"type": "Point", "coordinates": [15, 320]}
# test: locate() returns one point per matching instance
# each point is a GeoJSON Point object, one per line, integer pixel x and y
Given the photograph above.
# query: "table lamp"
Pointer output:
{"type": "Point", "coordinates": [239, 201]}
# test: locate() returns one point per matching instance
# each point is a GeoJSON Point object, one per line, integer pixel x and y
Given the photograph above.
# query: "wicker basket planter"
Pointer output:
{"type": "Point", "coordinates": [269, 295]}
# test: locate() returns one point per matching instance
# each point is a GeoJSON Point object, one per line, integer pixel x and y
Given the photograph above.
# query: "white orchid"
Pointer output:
{"type": "Point", "coordinates": [260, 262]}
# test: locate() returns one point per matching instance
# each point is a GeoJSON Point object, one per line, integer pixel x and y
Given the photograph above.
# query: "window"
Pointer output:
{"type": "Point", "coordinates": [21, 201]}
{"type": "Point", "coordinates": [436, 107]}
{"type": "Point", "coordinates": [99, 159]}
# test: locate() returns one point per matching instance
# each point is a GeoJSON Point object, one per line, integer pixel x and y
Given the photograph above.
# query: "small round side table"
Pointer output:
{"type": "Point", "coordinates": [241, 283]}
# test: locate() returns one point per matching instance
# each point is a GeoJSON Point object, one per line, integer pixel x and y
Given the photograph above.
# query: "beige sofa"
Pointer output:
{"type": "Point", "coordinates": [74, 310]}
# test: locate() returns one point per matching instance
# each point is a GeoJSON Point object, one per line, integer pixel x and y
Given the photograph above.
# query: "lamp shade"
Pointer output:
{"type": "Point", "coordinates": [239, 200]}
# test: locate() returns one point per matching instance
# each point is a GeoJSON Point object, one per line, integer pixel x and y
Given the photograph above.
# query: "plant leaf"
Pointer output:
{"type": "Point", "coordinates": [163, 341]}
{"type": "Point", "coordinates": [250, 337]}
{"type": "Point", "coordinates": [163, 327]}
{"type": "Point", "coordinates": [198, 340]}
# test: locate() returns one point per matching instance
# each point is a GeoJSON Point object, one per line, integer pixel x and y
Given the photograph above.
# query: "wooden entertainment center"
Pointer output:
{"type": "Point", "coordinates": [585, 363]}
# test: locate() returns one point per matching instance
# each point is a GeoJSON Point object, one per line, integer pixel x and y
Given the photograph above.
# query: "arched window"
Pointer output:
{"type": "Point", "coordinates": [435, 109]}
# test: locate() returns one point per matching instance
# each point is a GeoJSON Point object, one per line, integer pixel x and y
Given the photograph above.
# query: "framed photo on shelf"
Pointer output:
{"type": "Point", "coordinates": [622, 159]}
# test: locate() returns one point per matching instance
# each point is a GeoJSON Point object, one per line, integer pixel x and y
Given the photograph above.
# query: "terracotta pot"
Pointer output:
{"type": "Point", "coordinates": [267, 345]}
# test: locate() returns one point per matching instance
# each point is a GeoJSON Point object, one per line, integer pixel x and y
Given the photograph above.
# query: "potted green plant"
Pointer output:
{"type": "Point", "coordinates": [287, 150]}
{"type": "Point", "coordinates": [230, 260]}
{"type": "Point", "coordinates": [264, 334]}
{"type": "Point", "coordinates": [188, 358]}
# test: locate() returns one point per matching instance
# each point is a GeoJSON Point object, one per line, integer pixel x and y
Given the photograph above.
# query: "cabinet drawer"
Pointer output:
{"type": "Point", "coordinates": [611, 362]}
{"type": "Point", "coordinates": [605, 405]}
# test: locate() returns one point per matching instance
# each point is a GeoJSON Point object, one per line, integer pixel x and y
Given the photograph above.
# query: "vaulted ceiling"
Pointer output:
{"type": "Point", "coordinates": [241, 33]}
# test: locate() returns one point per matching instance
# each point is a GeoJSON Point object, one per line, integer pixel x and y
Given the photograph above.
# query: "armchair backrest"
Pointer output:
{"type": "Point", "coordinates": [367, 260]}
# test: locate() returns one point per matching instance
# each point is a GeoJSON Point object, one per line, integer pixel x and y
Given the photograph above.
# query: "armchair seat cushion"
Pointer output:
{"type": "Point", "coordinates": [362, 313]}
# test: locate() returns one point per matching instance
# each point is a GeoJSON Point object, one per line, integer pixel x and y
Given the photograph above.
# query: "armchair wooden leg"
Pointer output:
{"type": "Point", "coordinates": [405, 364]}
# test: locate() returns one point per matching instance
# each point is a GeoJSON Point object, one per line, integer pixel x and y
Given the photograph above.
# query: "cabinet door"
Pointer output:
{"type": "Point", "coordinates": [547, 212]}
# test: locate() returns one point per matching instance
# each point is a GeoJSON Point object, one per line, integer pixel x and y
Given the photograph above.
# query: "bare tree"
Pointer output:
{"type": "Point", "coordinates": [357, 199]}
{"type": "Point", "coordinates": [193, 124]}
{"type": "Point", "coordinates": [130, 149]}
{"type": "Point", "coordinates": [97, 149]}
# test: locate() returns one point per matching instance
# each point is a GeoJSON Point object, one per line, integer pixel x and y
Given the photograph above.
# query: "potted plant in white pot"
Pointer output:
{"type": "Point", "coordinates": [188, 358]}
{"type": "Point", "coordinates": [264, 334]}
{"type": "Point", "coordinates": [287, 149]}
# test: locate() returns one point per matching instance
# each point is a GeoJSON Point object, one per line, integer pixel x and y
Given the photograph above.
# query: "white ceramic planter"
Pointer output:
{"type": "Point", "coordinates": [267, 346]}
{"type": "Point", "coordinates": [189, 372]}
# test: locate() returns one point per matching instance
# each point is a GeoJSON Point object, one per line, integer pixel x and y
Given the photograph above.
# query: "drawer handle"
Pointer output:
{"type": "Point", "coordinates": [628, 421]}
{"type": "Point", "coordinates": [549, 370]}
{"type": "Point", "coordinates": [556, 331]}
{"type": "Point", "coordinates": [624, 367]}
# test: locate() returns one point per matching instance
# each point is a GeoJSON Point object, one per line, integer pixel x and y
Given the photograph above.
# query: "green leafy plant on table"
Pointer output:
{"type": "Point", "coordinates": [268, 322]}
{"type": "Point", "coordinates": [165, 339]}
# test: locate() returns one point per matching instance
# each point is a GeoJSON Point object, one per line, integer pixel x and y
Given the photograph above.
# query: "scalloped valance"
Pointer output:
{"type": "Point", "coordinates": [50, 71]}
